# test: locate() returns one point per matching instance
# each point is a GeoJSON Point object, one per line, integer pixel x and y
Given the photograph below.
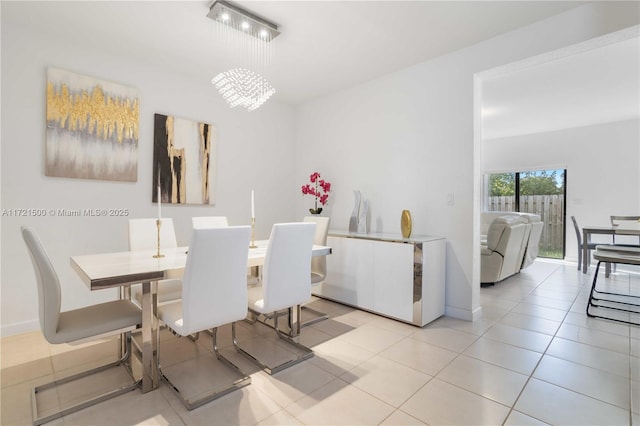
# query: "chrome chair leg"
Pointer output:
{"type": "Point", "coordinates": [304, 352]}
{"type": "Point", "coordinates": [38, 419]}
{"type": "Point", "coordinates": [320, 316]}
{"type": "Point", "coordinates": [615, 305]}
{"type": "Point", "coordinates": [241, 380]}
{"type": "Point", "coordinates": [254, 318]}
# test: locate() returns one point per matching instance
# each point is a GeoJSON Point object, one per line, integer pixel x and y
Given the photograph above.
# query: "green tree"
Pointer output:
{"type": "Point", "coordinates": [531, 183]}
{"type": "Point", "coordinates": [502, 184]}
{"type": "Point", "coordinates": [540, 183]}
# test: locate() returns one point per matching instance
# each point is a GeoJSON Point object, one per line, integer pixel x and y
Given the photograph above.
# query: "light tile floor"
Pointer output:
{"type": "Point", "coordinates": [534, 358]}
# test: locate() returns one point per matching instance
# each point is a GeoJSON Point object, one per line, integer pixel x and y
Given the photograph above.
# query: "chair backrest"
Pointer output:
{"type": "Point", "coordinates": [214, 288]}
{"type": "Point", "coordinates": [143, 234]}
{"type": "Point", "coordinates": [505, 236]}
{"type": "Point", "coordinates": [487, 217]}
{"type": "Point", "coordinates": [524, 245]}
{"type": "Point", "coordinates": [209, 222]}
{"type": "Point", "coordinates": [319, 263]}
{"type": "Point", "coordinates": [286, 276]}
{"type": "Point", "coordinates": [626, 222]}
{"type": "Point", "coordinates": [49, 294]}
{"type": "Point", "coordinates": [578, 232]}
{"type": "Point", "coordinates": [533, 245]}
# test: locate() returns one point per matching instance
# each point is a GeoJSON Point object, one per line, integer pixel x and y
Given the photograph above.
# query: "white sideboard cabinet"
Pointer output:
{"type": "Point", "coordinates": [402, 278]}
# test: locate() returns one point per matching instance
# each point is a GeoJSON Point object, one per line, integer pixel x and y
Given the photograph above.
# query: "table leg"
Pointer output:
{"type": "Point", "coordinates": [149, 336]}
{"type": "Point", "coordinates": [294, 317]}
{"type": "Point", "coordinates": [585, 252]}
{"type": "Point", "coordinates": [124, 294]}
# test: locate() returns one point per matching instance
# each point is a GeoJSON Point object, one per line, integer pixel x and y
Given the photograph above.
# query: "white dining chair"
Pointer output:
{"type": "Point", "coordinates": [199, 222]}
{"type": "Point", "coordinates": [214, 292]}
{"type": "Point", "coordinates": [590, 246]}
{"type": "Point", "coordinates": [286, 283]}
{"type": "Point", "coordinates": [628, 222]}
{"type": "Point", "coordinates": [143, 235]}
{"type": "Point", "coordinates": [318, 265]}
{"type": "Point", "coordinates": [100, 320]}
{"type": "Point", "coordinates": [209, 222]}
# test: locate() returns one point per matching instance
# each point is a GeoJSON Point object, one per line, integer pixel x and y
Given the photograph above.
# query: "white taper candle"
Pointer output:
{"type": "Point", "coordinates": [253, 206]}
{"type": "Point", "coordinates": [159, 202]}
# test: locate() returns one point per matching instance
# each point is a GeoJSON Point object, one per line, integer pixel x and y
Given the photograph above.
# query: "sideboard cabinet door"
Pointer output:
{"type": "Point", "coordinates": [349, 272]}
{"type": "Point", "coordinates": [393, 276]}
{"type": "Point", "coordinates": [402, 279]}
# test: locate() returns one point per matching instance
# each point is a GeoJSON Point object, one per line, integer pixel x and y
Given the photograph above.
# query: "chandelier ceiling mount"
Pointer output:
{"type": "Point", "coordinates": [245, 39]}
{"type": "Point", "coordinates": [243, 20]}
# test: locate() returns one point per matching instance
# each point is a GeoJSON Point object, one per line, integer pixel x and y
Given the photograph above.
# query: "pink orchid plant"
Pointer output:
{"type": "Point", "coordinates": [319, 189]}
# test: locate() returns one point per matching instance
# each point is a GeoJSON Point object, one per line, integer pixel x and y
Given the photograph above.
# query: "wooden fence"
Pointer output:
{"type": "Point", "coordinates": [551, 211]}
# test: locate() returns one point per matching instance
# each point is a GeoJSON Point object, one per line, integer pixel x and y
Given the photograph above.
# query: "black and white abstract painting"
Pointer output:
{"type": "Point", "coordinates": [184, 158]}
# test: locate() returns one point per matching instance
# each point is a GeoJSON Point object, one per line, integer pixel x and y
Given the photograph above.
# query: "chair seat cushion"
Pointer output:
{"type": "Point", "coordinates": [168, 291]}
{"type": "Point", "coordinates": [497, 229]}
{"type": "Point", "coordinates": [485, 251]}
{"type": "Point", "coordinates": [256, 301]}
{"type": "Point", "coordinates": [171, 314]}
{"type": "Point", "coordinates": [316, 278]}
{"type": "Point", "coordinates": [97, 319]}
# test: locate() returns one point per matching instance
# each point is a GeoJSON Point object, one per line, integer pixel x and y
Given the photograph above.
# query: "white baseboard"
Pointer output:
{"type": "Point", "coordinates": [19, 328]}
{"type": "Point", "coordinates": [463, 314]}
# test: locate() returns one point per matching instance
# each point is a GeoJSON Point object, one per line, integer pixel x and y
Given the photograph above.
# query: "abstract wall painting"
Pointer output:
{"type": "Point", "coordinates": [184, 158]}
{"type": "Point", "coordinates": [92, 128]}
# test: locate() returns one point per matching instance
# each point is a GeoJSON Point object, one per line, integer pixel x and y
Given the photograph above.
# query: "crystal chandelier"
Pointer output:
{"type": "Point", "coordinates": [245, 39]}
{"type": "Point", "coordinates": [243, 87]}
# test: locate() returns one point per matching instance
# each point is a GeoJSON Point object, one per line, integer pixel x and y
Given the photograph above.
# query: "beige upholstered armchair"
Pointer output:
{"type": "Point", "coordinates": [503, 253]}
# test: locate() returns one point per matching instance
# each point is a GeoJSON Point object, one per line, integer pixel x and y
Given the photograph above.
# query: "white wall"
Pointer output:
{"type": "Point", "coordinates": [407, 140]}
{"type": "Point", "coordinates": [602, 162]}
{"type": "Point", "coordinates": [249, 145]}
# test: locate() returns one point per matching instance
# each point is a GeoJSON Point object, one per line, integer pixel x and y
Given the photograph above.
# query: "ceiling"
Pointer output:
{"type": "Point", "coordinates": [597, 86]}
{"type": "Point", "coordinates": [325, 46]}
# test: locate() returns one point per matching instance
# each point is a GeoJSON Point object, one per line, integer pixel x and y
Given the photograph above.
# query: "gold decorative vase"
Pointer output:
{"type": "Point", "coordinates": [405, 223]}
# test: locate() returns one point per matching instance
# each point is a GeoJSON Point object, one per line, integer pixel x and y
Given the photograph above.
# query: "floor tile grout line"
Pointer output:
{"type": "Point", "coordinates": [404, 365]}
{"type": "Point", "coordinates": [567, 312]}
{"type": "Point", "coordinates": [444, 381]}
{"type": "Point", "coordinates": [459, 353]}
{"type": "Point", "coordinates": [544, 353]}
{"type": "Point", "coordinates": [512, 408]}
{"type": "Point", "coordinates": [421, 387]}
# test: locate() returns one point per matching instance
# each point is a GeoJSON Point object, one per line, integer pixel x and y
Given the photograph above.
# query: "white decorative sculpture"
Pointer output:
{"type": "Point", "coordinates": [353, 221]}
{"type": "Point", "coordinates": [359, 220]}
{"type": "Point", "coordinates": [363, 220]}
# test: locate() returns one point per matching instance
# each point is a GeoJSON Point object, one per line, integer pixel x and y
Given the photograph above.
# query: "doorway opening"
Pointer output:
{"type": "Point", "coordinates": [541, 192]}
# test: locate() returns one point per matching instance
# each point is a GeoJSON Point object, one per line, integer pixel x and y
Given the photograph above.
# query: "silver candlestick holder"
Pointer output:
{"type": "Point", "coordinates": [253, 239]}
{"type": "Point", "coordinates": [158, 225]}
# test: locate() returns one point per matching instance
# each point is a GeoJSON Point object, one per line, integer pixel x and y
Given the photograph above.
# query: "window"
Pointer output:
{"type": "Point", "coordinates": [542, 192]}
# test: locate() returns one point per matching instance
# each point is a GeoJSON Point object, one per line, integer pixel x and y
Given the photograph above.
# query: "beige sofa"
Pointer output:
{"type": "Point", "coordinates": [509, 243]}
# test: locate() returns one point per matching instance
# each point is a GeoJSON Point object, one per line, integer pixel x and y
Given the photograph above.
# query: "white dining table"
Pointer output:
{"type": "Point", "coordinates": [122, 269]}
{"type": "Point", "coordinates": [587, 231]}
